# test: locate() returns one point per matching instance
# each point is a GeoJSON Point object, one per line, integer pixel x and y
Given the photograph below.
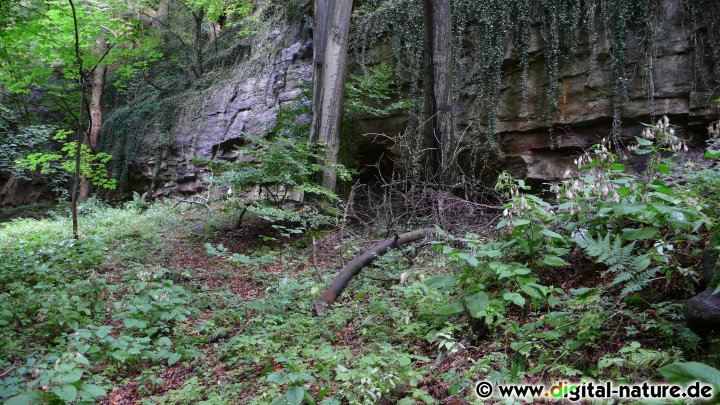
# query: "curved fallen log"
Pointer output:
{"type": "Point", "coordinates": [354, 266]}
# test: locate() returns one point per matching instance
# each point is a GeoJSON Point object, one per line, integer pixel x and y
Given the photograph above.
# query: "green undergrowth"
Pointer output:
{"type": "Point", "coordinates": [587, 285]}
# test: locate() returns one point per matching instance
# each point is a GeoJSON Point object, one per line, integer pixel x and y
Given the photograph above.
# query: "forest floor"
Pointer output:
{"type": "Point", "coordinates": [226, 316]}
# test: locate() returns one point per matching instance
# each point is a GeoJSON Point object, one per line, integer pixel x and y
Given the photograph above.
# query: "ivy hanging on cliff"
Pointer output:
{"type": "Point", "coordinates": [493, 39]}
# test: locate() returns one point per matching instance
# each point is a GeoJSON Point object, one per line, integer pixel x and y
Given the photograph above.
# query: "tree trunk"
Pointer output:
{"type": "Point", "coordinates": [334, 70]}
{"type": "Point", "coordinates": [439, 160]}
{"type": "Point", "coordinates": [198, 42]}
{"type": "Point", "coordinates": [319, 28]}
{"type": "Point", "coordinates": [430, 144]}
{"type": "Point", "coordinates": [95, 113]}
{"type": "Point", "coordinates": [80, 125]}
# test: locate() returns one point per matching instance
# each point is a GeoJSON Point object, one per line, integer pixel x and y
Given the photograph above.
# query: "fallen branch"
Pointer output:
{"type": "Point", "coordinates": [206, 205]}
{"type": "Point", "coordinates": [354, 266]}
{"type": "Point", "coordinates": [6, 372]}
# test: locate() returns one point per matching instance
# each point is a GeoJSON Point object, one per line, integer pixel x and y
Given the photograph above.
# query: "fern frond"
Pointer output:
{"type": "Point", "coordinates": [632, 270]}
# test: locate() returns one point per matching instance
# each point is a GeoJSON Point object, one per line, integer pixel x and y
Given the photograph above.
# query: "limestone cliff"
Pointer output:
{"type": "Point", "coordinates": [247, 101]}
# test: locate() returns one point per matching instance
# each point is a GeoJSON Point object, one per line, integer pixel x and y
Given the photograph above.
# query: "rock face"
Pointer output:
{"type": "Point", "coordinates": [702, 312]}
{"type": "Point", "coordinates": [248, 101]}
{"type": "Point", "coordinates": [678, 83]}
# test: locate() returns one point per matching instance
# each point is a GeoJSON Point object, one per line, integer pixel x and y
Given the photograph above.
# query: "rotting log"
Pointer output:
{"type": "Point", "coordinates": [354, 266]}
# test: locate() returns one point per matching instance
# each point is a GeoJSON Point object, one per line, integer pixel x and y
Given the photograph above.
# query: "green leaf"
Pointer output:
{"type": "Point", "coordinates": [476, 304]}
{"type": "Point", "coordinates": [470, 259]}
{"type": "Point", "coordinates": [493, 253]}
{"type": "Point", "coordinates": [551, 234]}
{"type": "Point", "coordinates": [72, 376]}
{"type": "Point", "coordinates": [134, 323]}
{"type": "Point", "coordinates": [30, 397]}
{"type": "Point", "coordinates": [278, 378]}
{"type": "Point", "coordinates": [442, 283]}
{"type": "Point", "coordinates": [534, 290]}
{"type": "Point", "coordinates": [293, 396]}
{"type": "Point", "coordinates": [685, 372]}
{"type": "Point", "coordinates": [174, 358]}
{"type": "Point", "coordinates": [624, 191]}
{"type": "Point", "coordinates": [95, 391]}
{"type": "Point", "coordinates": [639, 233]}
{"type": "Point", "coordinates": [661, 167]}
{"type": "Point", "coordinates": [553, 261]}
{"type": "Point", "coordinates": [712, 154]}
{"type": "Point", "coordinates": [515, 298]}
{"type": "Point", "coordinates": [67, 393]}
{"type": "Point", "coordinates": [643, 141]}
{"type": "Point", "coordinates": [454, 307]}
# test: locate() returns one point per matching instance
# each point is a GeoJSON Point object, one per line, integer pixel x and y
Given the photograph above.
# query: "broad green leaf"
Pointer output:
{"type": "Point", "coordinates": [278, 378]}
{"type": "Point", "coordinates": [66, 392]}
{"type": "Point", "coordinates": [174, 358]}
{"type": "Point", "coordinates": [442, 283]}
{"type": "Point", "coordinates": [554, 261]}
{"type": "Point", "coordinates": [95, 391]}
{"type": "Point", "coordinates": [134, 323]}
{"type": "Point", "coordinates": [515, 298]}
{"type": "Point", "coordinates": [493, 253]}
{"type": "Point", "coordinates": [534, 290]}
{"type": "Point", "coordinates": [712, 153]}
{"type": "Point", "coordinates": [30, 397]}
{"type": "Point", "coordinates": [639, 234]}
{"type": "Point", "coordinates": [661, 167]}
{"type": "Point", "coordinates": [551, 234]}
{"type": "Point", "coordinates": [476, 304]}
{"type": "Point", "coordinates": [294, 395]}
{"type": "Point", "coordinates": [454, 307]}
{"type": "Point", "coordinates": [471, 260]}
{"type": "Point", "coordinates": [685, 372]}
{"type": "Point", "coordinates": [71, 377]}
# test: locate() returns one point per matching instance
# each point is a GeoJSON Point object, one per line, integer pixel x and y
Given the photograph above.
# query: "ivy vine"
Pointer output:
{"type": "Point", "coordinates": [488, 32]}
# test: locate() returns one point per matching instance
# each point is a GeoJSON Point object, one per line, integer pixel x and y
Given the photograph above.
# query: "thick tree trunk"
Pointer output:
{"type": "Point", "coordinates": [442, 61]}
{"type": "Point", "coordinates": [334, 70]}
{"type": "Point", "coordinates": [95, 113]}
{"type": "Point", "coordinates": [439, 161]}
{"type": "Point", "coordinates": [431, 143]}
{"type": "Point", "coordinates": [359, 262]}
{"type": "Point", "coordinates": [319, 28]}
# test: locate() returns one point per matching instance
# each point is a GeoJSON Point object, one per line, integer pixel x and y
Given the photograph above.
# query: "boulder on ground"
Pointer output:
{"type": "Point", "coordinates": [702, 313]}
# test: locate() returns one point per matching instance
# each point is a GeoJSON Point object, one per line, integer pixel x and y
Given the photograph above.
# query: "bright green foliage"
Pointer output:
{"type": "Point", "coordinates": [634, 228]}
{"type": "Point", "coordinates": [39, 39]}
{"type": "Point", "coordinates": [277, 166]}
{"type": "Point", "coordinates": [632, 269]}
{"type": "Point", "coordinates": [54, 308]}
{"type": "Point", "coordinates": [92, 165]}
{"type": "Point", "coordinates": [688, 372]}
{"type": "Point", "coordinates": [371, 93]}
{"type": "Point", "coordinates": [282, 170]}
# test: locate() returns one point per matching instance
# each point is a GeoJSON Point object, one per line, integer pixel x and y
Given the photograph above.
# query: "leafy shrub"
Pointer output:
{"type": "Point", "coordinates": [634, 228]}
{"type": "Point", "coordinates": [92, 165]}
{"type": "Point", "coordinates": [54, 310]}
